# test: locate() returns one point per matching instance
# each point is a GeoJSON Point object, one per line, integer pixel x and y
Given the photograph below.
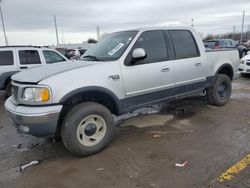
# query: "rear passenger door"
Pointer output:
{"type": "Point", "coordinates": [28, 58]}
{"type": "Point", "coordinates": [189, 65]}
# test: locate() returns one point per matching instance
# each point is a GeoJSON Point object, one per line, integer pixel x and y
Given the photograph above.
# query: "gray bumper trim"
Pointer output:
{"type": "Point", "coordinates": [38, 121]}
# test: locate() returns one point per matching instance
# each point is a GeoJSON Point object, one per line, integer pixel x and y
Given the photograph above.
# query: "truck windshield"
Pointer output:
{"type": "Point", "coordinates": [111, 47]}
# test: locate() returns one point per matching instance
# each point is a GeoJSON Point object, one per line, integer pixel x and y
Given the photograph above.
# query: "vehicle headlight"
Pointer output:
{"type": "Point", "coordinates": [242, 61]}
{"type": "Point", "coordinates": [36, 94]}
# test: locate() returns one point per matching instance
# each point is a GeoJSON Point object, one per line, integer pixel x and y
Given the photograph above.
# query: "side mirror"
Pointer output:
{"type": "Point", "coordinates": [248, 53]}
{"type": "Point", "coordinates": [139, 54]}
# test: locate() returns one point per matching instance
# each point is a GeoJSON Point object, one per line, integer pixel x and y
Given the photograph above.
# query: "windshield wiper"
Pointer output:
{"type": "Point", "coordinates": [91, 57]}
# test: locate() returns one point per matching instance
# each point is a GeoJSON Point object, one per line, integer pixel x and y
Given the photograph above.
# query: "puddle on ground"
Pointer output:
{"type": "Point", "coordinates": [147, 121]}
{"type": "Point", "coordinates": [10, 174]}
{"type": "Point", "coordinates": [240, 95]}
{"type": "Point", "coordinates": [174, 115]}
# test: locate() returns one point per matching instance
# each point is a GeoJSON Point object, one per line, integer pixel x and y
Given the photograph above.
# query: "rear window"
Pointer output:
{"type": "Point", "coordinates": [184, 44]}
{"type": "Point", "coordinates": [28, 57]}
{"type": "Point", "coordinates": [6, 58]}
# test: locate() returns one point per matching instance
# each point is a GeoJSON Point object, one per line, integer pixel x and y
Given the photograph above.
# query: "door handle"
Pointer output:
{"type": "Point", "coordinates": [23, 67]}
{"type": "Point", "coordinates": [198, 64]}
{"type": "Point", "coordinates": [165, 69]}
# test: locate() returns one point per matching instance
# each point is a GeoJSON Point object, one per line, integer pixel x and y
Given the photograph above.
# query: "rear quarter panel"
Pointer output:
{"type": "Point", "coordinates": [216, 58]}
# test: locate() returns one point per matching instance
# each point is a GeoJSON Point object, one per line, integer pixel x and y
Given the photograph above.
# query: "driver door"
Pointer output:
{"type": "Point", "coordinates": [153, 73]}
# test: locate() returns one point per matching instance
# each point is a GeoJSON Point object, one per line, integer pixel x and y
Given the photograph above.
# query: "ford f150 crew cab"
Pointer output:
{"type": "Point", "coordinates": [125, 71]}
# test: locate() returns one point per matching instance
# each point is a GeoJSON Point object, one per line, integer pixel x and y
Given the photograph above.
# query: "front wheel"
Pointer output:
{"type": "Point", "coordinates": [219, 93]}
{"type": "Point", "coordinates": [87, 129]}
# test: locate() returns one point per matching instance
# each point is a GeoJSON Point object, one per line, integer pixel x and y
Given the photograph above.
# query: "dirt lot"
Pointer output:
{"type": "Point", "coordinates": [145, 150]}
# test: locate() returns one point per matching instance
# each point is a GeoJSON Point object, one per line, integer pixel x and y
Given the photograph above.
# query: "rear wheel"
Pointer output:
{"type": "Point", "coordinates": [87, 129]}
{"type": "Point", "coordinates": [220, 92]}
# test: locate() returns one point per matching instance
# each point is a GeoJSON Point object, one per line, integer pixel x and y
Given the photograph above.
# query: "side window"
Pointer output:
{"type": "Point", "coordinates": [184, 44]}
{"type": "Point", "coordinates": [6, 58]}
{"type": "Point", "coordinates": [226, 44]}
{"type": "Point", "coordinates": [153, 42]}
{"type": "Point", "coordinates": [230, 44]}
{"type": "Point", "coordinates": [52, 57]}
{"type": "Point", "coordinates": [29, 57]}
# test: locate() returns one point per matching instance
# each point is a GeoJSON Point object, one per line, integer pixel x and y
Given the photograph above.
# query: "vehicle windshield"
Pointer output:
{"type": "Point", "coordinates": [111, 47]}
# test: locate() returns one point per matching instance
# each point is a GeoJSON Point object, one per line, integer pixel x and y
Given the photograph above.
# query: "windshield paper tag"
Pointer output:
{"type": "Point", "coordinates": [115, 49]}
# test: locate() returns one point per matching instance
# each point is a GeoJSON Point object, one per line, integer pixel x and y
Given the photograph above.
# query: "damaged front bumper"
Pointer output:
{"type": "Point", "coordinates": [39, 121]}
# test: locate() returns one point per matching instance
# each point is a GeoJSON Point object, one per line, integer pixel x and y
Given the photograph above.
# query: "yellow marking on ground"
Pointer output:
{"type": "Point", "coordinates": [235, 169]}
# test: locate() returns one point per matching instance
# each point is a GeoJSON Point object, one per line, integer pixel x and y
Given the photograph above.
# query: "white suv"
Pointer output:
{"type": "Point", "coordinates": [16, 58]}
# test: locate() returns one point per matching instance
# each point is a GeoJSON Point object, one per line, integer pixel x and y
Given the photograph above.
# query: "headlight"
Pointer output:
{"type": "Point", "coordinates": [242, 61]}
{"type": "Point", "coordinates": [36, 94]}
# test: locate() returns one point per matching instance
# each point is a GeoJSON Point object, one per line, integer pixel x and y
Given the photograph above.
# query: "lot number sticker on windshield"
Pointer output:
{"type": "Point", "coordinates": [115, 49]}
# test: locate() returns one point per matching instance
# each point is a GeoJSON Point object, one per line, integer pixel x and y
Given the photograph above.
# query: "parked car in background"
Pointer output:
{"type": "Point", "coordinates": [77, 53]}
{"type": "Point", "coordinates": [225, 43]}
{"type": "Point", "coordinates": [244, 67]}
{"type": "Point", "coordinates": [125, 71]}
{"type": "Point", "coordinates": [247, 44]}
{"type": "Point", "coordinates": [16, 58]}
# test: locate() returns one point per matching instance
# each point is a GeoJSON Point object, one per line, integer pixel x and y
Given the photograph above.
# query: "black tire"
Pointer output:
{"type": "Point", "coordinates": [8, 92]}
{"type": "Point", "coordinates": [221, 90]}
{"type": "Point", "coordinates": [72, 121]}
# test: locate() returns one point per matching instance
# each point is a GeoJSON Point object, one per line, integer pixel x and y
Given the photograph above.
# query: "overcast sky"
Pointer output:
{"type": "Point", "coordinates": [31, 21]}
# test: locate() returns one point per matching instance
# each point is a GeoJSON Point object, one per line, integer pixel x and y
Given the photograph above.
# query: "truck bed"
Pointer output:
{"type": "Point", "coordinates": [223, 56]}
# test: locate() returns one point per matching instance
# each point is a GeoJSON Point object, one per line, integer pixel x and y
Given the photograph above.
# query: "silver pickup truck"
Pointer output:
{"type": "Point", "coordinates": [125, 71]}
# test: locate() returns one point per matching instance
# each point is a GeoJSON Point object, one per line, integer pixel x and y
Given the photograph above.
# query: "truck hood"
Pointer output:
{"type": "Point", "coordinates": [35, 75]}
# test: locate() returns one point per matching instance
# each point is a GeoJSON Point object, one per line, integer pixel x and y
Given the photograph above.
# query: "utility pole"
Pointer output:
{"type": "Point", "coordinates": [248, 32]}
{"type": "Point", "coordinates": [63, 39]}
{"type": "Point", "coordinates": [192, 24]}
{"type": "Point", "coordinates": [4, 32]}
{"type": "Point", "coordinates": [98, 32]}
{"type": "Point", "coordinates": [242, 27]}
{"type": "Point", "coordinates": [234, 29]}
{"type": "Point", "coordinates": [57, 40]}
